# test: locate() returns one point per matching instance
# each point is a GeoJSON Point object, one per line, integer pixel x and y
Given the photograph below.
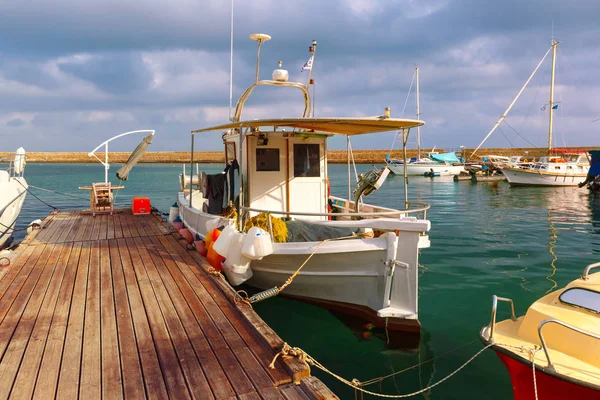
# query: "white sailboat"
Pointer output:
{"type": "Point", "coordinates": [568, 169]}
{"type": "Point", "coordinates": [341, 253]}
{"type": "Point", "coordinates": [13, 189]}
{"type": "Point", "coordinates": [425, 165]}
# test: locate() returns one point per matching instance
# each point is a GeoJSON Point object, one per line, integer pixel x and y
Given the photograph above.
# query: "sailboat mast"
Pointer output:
{"type": "Point", "coordinates": [554, 45]}
{"type": "Point", "coordinates": [418, 114]}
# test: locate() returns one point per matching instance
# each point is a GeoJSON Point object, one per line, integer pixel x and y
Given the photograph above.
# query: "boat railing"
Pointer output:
{"type": "Point", "coordinates": [586, 271]}
{"type": "Point", "coordinates": [495, 300]}
{"type": "Point", "coordinates": [423, 209]}
{"type": "Point", "coordinates": [9, 158]}
{"type": "Point", "coordinates": [555, 321]}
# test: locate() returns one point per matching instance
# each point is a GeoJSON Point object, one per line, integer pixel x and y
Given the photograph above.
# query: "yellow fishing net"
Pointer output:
{"type": "Point", "coordinates": [280, 231]}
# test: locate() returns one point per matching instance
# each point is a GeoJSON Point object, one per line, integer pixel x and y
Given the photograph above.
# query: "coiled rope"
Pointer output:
{"type": "Point", "coordinates": [287, 351]}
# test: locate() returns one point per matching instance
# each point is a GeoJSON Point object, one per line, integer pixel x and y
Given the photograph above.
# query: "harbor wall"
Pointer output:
{"type": "Point", "coordinates": [333, 156]}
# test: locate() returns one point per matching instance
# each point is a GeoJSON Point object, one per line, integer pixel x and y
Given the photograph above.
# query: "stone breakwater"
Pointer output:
{"type": "Point", "coordinates": [333, 156]}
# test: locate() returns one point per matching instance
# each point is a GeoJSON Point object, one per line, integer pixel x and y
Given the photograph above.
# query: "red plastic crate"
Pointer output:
{"type": "Point", "coordinates": [140, 205]}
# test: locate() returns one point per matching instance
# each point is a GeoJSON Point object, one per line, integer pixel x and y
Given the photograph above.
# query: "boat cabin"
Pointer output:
{"type": "Point", "coordinates": [283, 170]}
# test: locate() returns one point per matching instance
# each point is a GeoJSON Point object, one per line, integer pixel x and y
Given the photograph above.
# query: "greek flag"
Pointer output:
{"type": "Point", "coordinates": [307, 65]}
{"type": "Point", "coordinates": [555, 107]}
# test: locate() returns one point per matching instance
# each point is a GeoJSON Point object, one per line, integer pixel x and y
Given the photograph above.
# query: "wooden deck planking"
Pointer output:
{"type": "Point", "coordinates": [115, 307]}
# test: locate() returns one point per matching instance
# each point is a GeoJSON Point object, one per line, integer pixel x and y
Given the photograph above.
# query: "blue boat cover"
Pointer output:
{"type": "Point", "coordinates": [444, 157]}
{"type": "Point", "coordinates": [595, 164]}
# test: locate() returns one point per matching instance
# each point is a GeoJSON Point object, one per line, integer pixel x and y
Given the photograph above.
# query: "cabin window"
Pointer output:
{"type": "Point", "coordinates": [569, 167]}
{"type": "Point", "coordinates": [230, 152]}
{"type": "Point", "coordinates": [584, 298]}
{"type": "Point", "coordinates": [556, 168]}
{"type": "Point", "coordinates": [307, 160]}
{"type": "Point", "coordinates": [267, 159]}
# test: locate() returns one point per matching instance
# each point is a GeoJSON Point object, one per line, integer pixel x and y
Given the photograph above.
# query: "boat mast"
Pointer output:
{"type": "Point", "coordinates": [554, 45]}
{"type": "Point", "coordinates": [418, 114]}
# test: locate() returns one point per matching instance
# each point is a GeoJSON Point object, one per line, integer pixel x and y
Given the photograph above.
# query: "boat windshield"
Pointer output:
{"type": "Point", "coordinates": [584, 298]}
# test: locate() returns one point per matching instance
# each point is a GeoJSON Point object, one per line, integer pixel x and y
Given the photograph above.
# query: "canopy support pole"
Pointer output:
{"type": "Point", "coordinates": [191, 168]}
{"type": "Point", "coordinates": [405, 133]}
{"type": "Point", "coordinates": [348, 156]}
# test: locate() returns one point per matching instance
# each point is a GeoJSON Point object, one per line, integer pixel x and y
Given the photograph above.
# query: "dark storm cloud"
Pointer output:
{"type": "Point", "coordinates": [80, 69]}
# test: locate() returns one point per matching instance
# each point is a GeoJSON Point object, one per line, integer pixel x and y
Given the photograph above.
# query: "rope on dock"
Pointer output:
{"type": "Point", "coordinates": [62, 194]}
{"type": "Point", "coordinates": [288, 351]}
{"type": "Point", "coordinates": [31, 193]}
{"type": "Point", "coordinates": [4, 264]}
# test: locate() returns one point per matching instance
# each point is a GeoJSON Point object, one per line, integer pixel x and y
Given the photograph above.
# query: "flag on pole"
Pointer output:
{"type": "Point", "coordinates": [555, 107]}
{"type": "Point", "coordinates": [307, 65]}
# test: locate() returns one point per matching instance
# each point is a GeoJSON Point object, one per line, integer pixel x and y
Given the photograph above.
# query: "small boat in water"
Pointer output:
{"type": "Point", "coordinates": [349, 256]}
{"type": "Point", "coordinates": [592, 181]}
{"type": "Point", "coordinates": [13, 189]}
{"type": "Point", "coordinates": [559, 337]}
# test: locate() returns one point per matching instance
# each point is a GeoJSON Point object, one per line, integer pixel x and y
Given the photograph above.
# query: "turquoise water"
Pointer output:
{"type": "Point", "coordinates": [485, 239]}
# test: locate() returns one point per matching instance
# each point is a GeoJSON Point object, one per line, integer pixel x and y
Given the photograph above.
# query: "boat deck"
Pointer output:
{"type": "Point", "coordinates": [116, 307]}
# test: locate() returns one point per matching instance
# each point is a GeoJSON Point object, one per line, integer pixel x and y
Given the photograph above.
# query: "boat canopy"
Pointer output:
{"type": "Point", "coordinates": [595, 163]}
{"type": "Point", "coordinates": [340, 126]}
{"type": "Point", "coordinates": [444, 157]}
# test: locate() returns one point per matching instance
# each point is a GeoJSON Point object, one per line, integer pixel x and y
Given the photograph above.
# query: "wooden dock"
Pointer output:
{"type": "Point", "coordinates": [116, 307]}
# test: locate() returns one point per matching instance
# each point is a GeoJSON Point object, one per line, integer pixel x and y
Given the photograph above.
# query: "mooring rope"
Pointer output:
{"type": "Point", "coordinates": [30, 192]}
{"type": "Point", "coordinates": [62, 194]}
{"type": "Point", "coordinates": [288, 351]}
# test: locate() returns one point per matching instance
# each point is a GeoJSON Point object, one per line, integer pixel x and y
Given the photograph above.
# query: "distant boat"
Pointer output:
{"type": "Point", "coordinates": [442, 164]}
{"type": "Point", "coordinates": [13, 188]}
{"type": "Point", "coordinates": [569, 169]}
{"type": "Point", "coordinates": [561, 335]}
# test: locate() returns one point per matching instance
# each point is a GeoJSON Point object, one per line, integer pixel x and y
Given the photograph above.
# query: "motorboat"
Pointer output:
{"type": "Point", "coordinates": [553, 352]}
{"type": "Point", "coordinates": [341, 253]}
{"type": "Point", "coordinates": [13, 189]}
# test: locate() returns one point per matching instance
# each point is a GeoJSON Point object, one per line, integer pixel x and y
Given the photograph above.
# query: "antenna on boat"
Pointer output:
{"type": "Point", "coordinates": [260, 38]}
{"type": "Point", "coordinates": [231, 65]}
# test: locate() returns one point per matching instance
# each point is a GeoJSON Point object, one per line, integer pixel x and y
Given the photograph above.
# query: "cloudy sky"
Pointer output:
{"type": "Point", "coordinates": [74, 73]}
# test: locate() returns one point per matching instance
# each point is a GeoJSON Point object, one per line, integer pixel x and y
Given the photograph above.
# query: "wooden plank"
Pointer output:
{"type": "Point", "coordinates": [11, 350]}
{"type": "Point", "coordinates": [249, 396]}
{"type": "Point", "coordinates": [170, 367]}
{"type": "Point", "coordinates": [61, 220]}
{"type": "Point", "coordinates": [90, 385]}
{"type": "Point", "coordinates": [136, 231]}
{"type": "Point", "coordinates": [112, 385]}
{"type": "Point", "coordinates": [262, 352]}
{"type": "Point", "coordinates": [117, 225]}
{"type": "Point", "coordinates": [194, 318]}
{"type": "Point", "coordinates": [68, 380]}
{"type": "Point", "coordinates": [133, 381]}
{"type": "Point", "coordinates": [95, 234]}
{"type": "Point", "coordinates": [45, 227]}
{"type": "Point", "coordinates": [153, 378]}
{"type": "Point", "coordinates": [110, 234]}
{"type": "Point", "coordinates": [292, 392]}
{"type": "Point", "coordinates": [45, 386]}
{"type": "Point", "coordinates": [87, 234]}
{"type": "Point", "coordinates": [78, 234]}
{"type": "Point", "coordinates": [271, 394]}
{"type": "Point", "coordinates": [71, 223]}
{"type": "Point", "coordinates": [163, 226]}
{"type": "Point", "coordinates": [30, 362]}
{"type": "Point", "coordinates": [315, 389]}
{"type": "Point", "coordinates": [154, 224]}
{"type": "Point", "coordinates": [192, 371]}
{"type": "Point", "coordinates": [125, 225]}
{"type": "Point", "coordinates": [12, 271]}
{"type": "Point", "coordinates": [16, 297]}
{"type": "Point", "coordinates": [140, 225]}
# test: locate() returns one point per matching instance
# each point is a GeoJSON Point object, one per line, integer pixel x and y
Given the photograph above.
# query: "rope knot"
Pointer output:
{"type": "Point", "coordinates": [356, 382]}
{"type": "Point", "coordinates": [287, 352]}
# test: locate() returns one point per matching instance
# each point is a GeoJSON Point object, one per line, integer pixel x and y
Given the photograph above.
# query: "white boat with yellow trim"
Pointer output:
{"type": "Point", "coordinates": [558, 170]}
{"type": "Point", "coordinates": [342, 253]}
{"type": "Point", "coordinates": [559, 338]}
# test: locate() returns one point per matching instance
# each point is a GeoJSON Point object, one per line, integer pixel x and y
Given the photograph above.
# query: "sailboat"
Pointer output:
{"type": "Point", "coordinates": [13, 189]}
{"type": "Point", "coordinates": [566, 169]}
{"type": "Point", "coordinates": [434, 163]}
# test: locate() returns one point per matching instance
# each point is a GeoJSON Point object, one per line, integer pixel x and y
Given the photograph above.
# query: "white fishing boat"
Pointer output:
{"type": "Point", "coordinates": [569, 169]}
{"type": "Point", "coordinates": [447, 164]}
{"type": "Point", "coordinates": [344, 254]}
{"type": "Point", "coordinates": [13, 188]}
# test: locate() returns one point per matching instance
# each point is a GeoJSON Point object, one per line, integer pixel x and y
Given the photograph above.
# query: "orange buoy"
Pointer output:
{"type": "Point", "coordinates": [201, 247]}
{"type": "Point", "coordinates": [187, 235]}
{"type": "Point", "coordinates": [213, 258]}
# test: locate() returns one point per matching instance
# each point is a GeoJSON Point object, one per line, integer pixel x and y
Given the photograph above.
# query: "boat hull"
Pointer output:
{"type": "Point", "coordinates": [523, 177]}
{"type": "Point", "coordinates": [373, 278]}
{"type": "Point", "coordinates": [549, 385]}
{"type": "Point", "coordinates": [12, 196]}
{"type": "Point", "coordinates": [421, 169]}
